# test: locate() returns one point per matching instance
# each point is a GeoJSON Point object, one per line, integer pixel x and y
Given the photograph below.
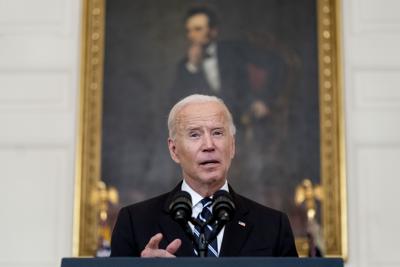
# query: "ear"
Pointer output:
{"type": "Point", "coordinates": [233, 146]}
{"type": "Point", "coordinates": [173, 150]}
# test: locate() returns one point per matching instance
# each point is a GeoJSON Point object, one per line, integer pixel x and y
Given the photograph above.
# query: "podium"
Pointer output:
{"type": "Point", "coordinates": [201, 262]}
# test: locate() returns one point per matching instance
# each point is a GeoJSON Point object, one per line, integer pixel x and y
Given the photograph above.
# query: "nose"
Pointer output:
{"type": "Point", "coordinates": [208, 143]}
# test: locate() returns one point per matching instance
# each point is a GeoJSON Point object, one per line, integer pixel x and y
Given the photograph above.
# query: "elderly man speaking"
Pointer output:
{"type": "Point", "coordinates": [202, 141]}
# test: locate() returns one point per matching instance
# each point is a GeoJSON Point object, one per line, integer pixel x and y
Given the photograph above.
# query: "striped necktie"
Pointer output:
{"type": "Point", "coordinates": [204, 216]}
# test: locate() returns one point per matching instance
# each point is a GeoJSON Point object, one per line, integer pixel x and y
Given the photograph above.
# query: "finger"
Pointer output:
{"type": "Point", "coordinates": [154, 241]}
{"type": "Point", "coordinates": [156, 253]}
{"type": "Point", "coordinates": [174, 246]}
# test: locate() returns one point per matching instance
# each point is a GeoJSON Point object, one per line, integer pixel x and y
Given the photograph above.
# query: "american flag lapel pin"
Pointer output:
{"type": "Point", "coordinates": [243, 224]}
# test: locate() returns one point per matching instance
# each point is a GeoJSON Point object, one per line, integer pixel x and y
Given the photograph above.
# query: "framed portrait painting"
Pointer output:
{"type": "Point", "coordinates": [276, 64]}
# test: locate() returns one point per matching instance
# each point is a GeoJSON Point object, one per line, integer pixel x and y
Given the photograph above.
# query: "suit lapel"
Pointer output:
{"type": "Point", "coordinates": [172, 230]}
{"type": "Point", "coordinates": [236, 231]}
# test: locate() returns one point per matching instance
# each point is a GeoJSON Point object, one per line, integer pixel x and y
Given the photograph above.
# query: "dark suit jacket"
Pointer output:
{"type": "Point", "coordinates": [234, 89]}
{"type": "Point", "coordinates": [266, 232]}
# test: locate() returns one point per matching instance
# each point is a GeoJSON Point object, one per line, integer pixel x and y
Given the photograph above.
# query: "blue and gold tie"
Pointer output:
{"type": "Point", "coordinates": [204, 216]}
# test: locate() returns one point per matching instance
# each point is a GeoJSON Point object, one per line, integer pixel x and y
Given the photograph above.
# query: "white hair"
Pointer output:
{"type": "Point", "coordinates": [196, 98]}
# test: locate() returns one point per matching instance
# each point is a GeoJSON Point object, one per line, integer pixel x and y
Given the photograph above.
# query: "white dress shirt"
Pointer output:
{"type": "Point", "coordinates": [210, 67]}
{"type": "Point", "coordinates": [198, 207]}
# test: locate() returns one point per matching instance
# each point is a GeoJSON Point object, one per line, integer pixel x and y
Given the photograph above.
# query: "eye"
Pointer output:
{"type": "Point", "coordinates": [218, 133]}
{"type": "Point", "coordinates": [194, 134]}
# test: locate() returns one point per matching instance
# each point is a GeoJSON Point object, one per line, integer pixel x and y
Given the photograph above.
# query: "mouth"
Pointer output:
{"type": "Point", "coordinates": [210, 162]}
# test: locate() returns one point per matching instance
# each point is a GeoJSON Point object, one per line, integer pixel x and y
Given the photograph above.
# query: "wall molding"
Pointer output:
{"type": "Point", "coordinates": [375, 17]}
{"type": "Point", "coordinates": [36, 90]}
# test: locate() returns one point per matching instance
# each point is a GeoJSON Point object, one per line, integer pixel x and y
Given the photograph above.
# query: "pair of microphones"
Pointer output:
{"type": "Point", "coordinates": [223, 210]}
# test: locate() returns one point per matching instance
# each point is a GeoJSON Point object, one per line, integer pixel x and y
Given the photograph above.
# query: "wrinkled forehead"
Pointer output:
{"type": "Point", "coordinates": [209, 114]}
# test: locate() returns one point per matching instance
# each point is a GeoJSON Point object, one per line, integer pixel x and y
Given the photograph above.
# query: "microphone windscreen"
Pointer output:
{"type": "Point", "coordinates": [223, 207]}
{"type": "Point", "coordinates": [181, 207]}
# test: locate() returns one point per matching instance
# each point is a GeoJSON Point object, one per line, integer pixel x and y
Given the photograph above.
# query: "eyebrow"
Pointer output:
{"type": "Point", "coordinates": [192, 129]}
{"type": "Point", "coordinates": [195, 128]}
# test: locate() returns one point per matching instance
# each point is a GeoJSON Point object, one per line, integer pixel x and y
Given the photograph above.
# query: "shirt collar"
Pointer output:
{"type": "Point", "coordinates": [196, 197]}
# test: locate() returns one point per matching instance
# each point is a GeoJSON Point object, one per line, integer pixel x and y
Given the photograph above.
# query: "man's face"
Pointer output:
{"type": "Point", "coordinates": [198, 30]}
{"type": "Point", "coordinates": [203, 146]}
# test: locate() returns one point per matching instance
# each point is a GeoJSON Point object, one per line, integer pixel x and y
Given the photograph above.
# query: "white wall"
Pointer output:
{"type": "Point", "coordinates": [372, 92]}
{"type": "Point", "coordinates": [39, 71]}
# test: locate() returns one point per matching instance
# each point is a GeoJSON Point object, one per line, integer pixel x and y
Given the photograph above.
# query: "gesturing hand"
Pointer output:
{"type": "Point", "coordinates": [195, 54]}
{"type": "Point", "coordinates": [153, 251]}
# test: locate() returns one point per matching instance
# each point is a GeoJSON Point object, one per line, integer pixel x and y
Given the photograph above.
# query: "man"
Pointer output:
{"type": "Point", "coordinates": [202, 141]}
{"type": "Point", "coordinates": [215, 67]}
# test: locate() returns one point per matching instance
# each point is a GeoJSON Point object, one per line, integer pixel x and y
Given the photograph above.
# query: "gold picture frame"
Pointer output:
{"type": "Point", "coordinates": [332, 147]}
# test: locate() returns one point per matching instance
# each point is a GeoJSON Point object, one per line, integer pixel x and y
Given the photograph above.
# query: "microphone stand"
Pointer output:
{"type": "Point", "coordinates": [201, 244]}
{"type": "Point", "coordinates": [180, 210]}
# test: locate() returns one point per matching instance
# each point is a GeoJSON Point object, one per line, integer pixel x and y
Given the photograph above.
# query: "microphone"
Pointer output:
{"type": "Point", "coordinates": [181, 207]}
{"type": "Point", "coordinates": [180, 210]}
{"type": "Point", "coordinates": [223, 211]}
{"type": "Point", "coordinates": [223, 207]}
